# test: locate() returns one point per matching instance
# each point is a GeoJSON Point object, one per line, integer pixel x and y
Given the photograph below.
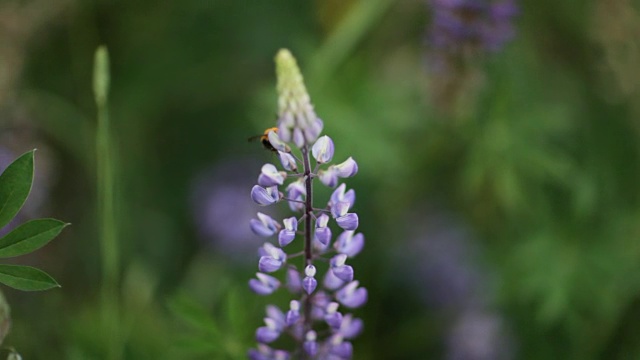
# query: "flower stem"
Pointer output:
{"type": "Point", "coordinates": [308, 255]}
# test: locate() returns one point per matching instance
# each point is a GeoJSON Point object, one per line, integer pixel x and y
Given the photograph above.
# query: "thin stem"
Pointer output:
{"type": "Point", "coordinates": [308, 255]}
{"type": "Point", "coordinates": [293, 200]}
{"type": "Point", "coordinates": [106, 209]}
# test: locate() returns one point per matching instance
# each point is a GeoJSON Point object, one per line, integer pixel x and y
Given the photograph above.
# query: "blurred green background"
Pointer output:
{"type": "Point", "coordinates": [502, 217]}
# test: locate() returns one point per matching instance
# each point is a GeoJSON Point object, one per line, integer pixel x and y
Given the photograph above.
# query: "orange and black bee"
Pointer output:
{"type": "Point", "coordinates": [264, 139]}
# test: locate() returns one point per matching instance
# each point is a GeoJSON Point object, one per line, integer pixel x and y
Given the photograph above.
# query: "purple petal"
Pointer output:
{"type": "Point", "coordinates": [310, 345]}
{"type": "Point", "coordinates": [294, 283]}
{"type": "Point", "coordinates": [264, 226]}
{"type": "Point", "coordinates": [349, 244]}
{"type": "Point", "coordinates": [339, 209]}
{"type": "Point", "coordinates": [269, 264]}
{"type": "Point", "coordinates": [352, 298]}
{"type": "Point", "coordinates": [270, 176]}
{"type": "Point", "coordinates": [314, 129]}
{"type": "Point", "coordinates": [277, 142]}
{"type": "Point", "coordinates": [344, 350]}
{"type": "Point", "coordinates": [264, 284]}
{"type": "Point", "coordinates": [348, 221]}
{"type": "Point", "coordinates": [265, 334]}
{"type": "Point", "coordinates": [264, 197]}
{"type": "Point", "coordinates": [328, 177]}
{"type": "Point", "coordinates": [309, 284]}
{"type": "Point", "coordinates": [323, 235]}
{"type": "Point", "coordinates": [286, 237]}
{"type": "Point", "coordinates": [339, 195]}
{"type": "Point", "coordinates": [350, 327]}
{"type": "Point", "coordinates": [347, 169]}
{"type": "Point", "coordinates": [298, 137]}
{"type": "Point", "coordinates": [323, 150]}
{"type": "Point", "coordinates": [292, 317]}
{"type": "Point", "coordinates": [288, 161]}
{"type": "Point", "coordinates": [334, 319]}
{"type": "Point", "coordinates": [274, 313]}
{"type": "Point", "coordinates": [344, 273]}
{"type": "Point", "coordinates": [331, 281]}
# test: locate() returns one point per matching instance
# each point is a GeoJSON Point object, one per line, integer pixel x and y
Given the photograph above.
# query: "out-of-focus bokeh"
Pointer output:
{"type": "Point", "coordinates": [498, 143]}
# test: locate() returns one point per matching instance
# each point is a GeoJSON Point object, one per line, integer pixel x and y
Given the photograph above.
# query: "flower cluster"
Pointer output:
{"type": "Point", "coordinates": [314, 319]}
{"type": "Point", "coordinates": [462, 32]}
{"type": "Point", "coordinates": [461, 26]}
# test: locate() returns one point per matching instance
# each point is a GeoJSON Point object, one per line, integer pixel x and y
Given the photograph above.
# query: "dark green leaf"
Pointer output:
{"type": "Point", "coordinates": [15, 184]}
{"type": "Point", "coordinates": [26, 278]}
{"type": "Point", "coordinates": [30, 236]}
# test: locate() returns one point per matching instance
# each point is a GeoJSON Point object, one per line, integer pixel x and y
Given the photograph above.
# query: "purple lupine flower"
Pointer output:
{"type": "Point", "coordinates": [351, 295]}
{"type": "Point", "coordinates": [350, 327]}
{"type": "Point", "coordinates": [460, 33]}
{"type": "Point", "coordinates": [264, 226]}
{"type": "Point", "coordinates": [264, 285]}
{"type": "Point", "coordinates": [322, 150]}
{"type": "Point", "coordinates": [331, 281]}
{"type": "Point", "coordinates": [323, 233]}
{"type": "Point", "coordinates": [272, 258]}
{"type": "Point", "coordinates": [332, 316]}
{"type": "Point", "coordinates": [310, 344]}
{"type": "Point", "coordinates": [299, 142]}
{"type": "Point", "coordinates": [293, 315]}
{"type": "Point", "coordinates": [349, 244]}
{"type": "Point", "coordinates": [264, 352]}
{"type": "Point", "coordinates": [309, 283]}
{"type": "Point", "coordinates": [347, 221]}
{"type": "Point", "coordinates": [294, 280]}
{"type": "Point", "coordinates": [471, 25]}
{"type": "Point", "coordinates": [270, 176]}
{"type": "Point", "coordinates": [339, 195]}
{"type": "Point", "coordinates": [265, 196]}
{"type": "Point", "coordinates": [339, 269]}
{"type": "Point", "coordinates": [330, 176]}
{"type": "Point", "coordinates": [287, 234]}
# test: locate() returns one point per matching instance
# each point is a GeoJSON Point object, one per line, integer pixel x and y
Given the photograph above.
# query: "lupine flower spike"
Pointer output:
{"type": "Point", "coordinates": [320, 299]}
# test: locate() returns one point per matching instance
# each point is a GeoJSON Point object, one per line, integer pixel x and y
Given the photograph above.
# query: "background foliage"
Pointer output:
{"type": "Point", "coordinates": [504, 227]}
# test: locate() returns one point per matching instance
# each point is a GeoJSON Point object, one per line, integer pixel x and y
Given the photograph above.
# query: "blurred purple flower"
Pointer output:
{"type": "Point", "coordinates": [463, 26]}
{"type": "Point", "coordinates": [478, 335]}
{"type": "Point", "coordinates": [218, 201]}
{"type": "Point", "coordinates": [461, 32]}
{"type": "Point", "coordinates": [441, 263]}
{"type": "Point", "coordinates": [442, 266]}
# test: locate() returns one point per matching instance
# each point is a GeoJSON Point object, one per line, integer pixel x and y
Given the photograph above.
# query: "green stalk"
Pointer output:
{"type": "Point", "coordinates": [360, 20]}
{"type": "Point", "coordinates": [105, 209]}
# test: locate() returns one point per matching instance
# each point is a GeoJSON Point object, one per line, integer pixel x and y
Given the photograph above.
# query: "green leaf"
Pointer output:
{"type": "Point", "coordinates": [30, 236]}
{"type": "Point", "coordinates": [26, 278]}
{"type": "Point", "coordinates": [15, 184]}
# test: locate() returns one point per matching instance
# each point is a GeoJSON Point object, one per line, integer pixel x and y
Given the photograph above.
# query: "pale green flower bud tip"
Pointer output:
{"type": "Point", "coordinates": [101, 75]}
{"type": "Point", "coordinates": [290, 82]}
{"type": "Point", "coordinates": [286, 65]}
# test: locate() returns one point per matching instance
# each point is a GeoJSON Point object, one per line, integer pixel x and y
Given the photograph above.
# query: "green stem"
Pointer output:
{"type": "Point", "coordinates": [362, 17]}
{"type": "Point", "coordinates": [106, 211]}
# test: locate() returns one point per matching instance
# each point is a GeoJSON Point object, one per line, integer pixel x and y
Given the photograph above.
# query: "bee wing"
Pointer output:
{"type": "Point", "coordinates": [255, 138]}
